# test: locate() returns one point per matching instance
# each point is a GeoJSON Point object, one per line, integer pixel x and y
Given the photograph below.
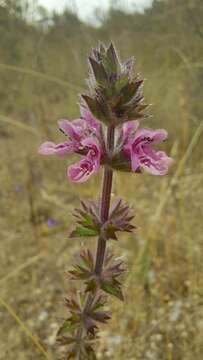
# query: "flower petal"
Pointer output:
{"type": "Point", "coordinates": [157, 164]}
{"type": "Point", "coordinates": [129, 128]}
{"type": "Point", "coordinates": [90, 119]}
{"type": "Point", "coordinates": [75, 129]}
{"type": "Point", "coordinates": [81, 171]}
{"type": "Point", "coordinates": [135, 163]}
{"type": "Point", "coordinates": [50, 148]}
{"type": "Point", "coordinates": [148, 136]}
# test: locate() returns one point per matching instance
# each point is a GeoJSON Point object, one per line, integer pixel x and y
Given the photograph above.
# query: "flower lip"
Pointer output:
{"type": "Point", "coordinates": [138, 149]}
{"type": "Point", "coordinates": [92, 144]}
{"type": "Point", "coordinates": [92, 122]}
{"type": "Point", "coordinates": [152, 136]}
{"type": "Point", "coordinates": [129, 129]}
{"type": "Point", "coordinates": [74, 130]}
{"type": "Point", "coordinates": [50, 148]}
{"type": "Point", "coordinates": [81, 171]}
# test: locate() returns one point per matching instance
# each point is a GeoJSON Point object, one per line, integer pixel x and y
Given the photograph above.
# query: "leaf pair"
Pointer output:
{"type": "Point", "coordinates": [84, 314]}
{"type": "Point", "coordinates": [79, 348]}
{"type": "Point", "coordinates": [108, 280]}
{"type": "Point", "coordinates": [89, 221]}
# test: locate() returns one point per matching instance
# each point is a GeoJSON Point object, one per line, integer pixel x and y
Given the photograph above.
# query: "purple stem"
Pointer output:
{"type": "Point", "coordinates": [105, 201]}
{"type": "Point", "coordinates": [104, 211]}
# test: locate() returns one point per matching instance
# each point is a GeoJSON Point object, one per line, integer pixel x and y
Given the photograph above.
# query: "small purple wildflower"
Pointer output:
{"type": "Point", "coordinates": [18, 188]}
{"type": "Point", "coordinates": [51, 223]}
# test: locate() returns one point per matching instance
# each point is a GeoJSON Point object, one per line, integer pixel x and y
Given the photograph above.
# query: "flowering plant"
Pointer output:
{"type": "Point", "coordinates": [107, 134]}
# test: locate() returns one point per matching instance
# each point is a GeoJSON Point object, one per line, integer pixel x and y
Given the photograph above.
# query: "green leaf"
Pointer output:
{"type": "Point", "coordinates": [99, 72]}
{"type": "Point", "coordinates": [88, 220]}
{"type": "Point", "coordinates": [121, 83]}
{"type": "Point", "coordinates": [95, 108]}
{"type": "Point", "coordinates": [92, 103]}
{"type": "Point", "coordinates": [130, 90]}
{"type": "Point", "coordinates": [110, 61]}
{"type": "Point", "coordinates": [112, 290]}
{"type": "Point", "coordinates": [82, 231]}
{"type": "Point", "coordinates": [67, 327]}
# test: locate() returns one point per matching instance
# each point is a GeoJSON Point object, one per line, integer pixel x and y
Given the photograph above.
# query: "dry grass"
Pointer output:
{"type": "Point", "coordinates": [161, 318]}
{"type": "Point", "coordinates": [41, 73]}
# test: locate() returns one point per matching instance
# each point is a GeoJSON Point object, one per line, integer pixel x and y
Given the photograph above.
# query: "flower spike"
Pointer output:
{"type": "Point", "coordinates": [107, 134]}
{"type": "Point", "coordinates": [115, 95]}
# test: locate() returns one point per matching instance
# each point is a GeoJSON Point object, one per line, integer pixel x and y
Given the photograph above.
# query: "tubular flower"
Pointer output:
{"type": "Point", "coordinates": [83, 135]}
{"type": "Point", "coordinates": [137, 148]}
{"type": "Point", "coordinates": [81, 171]}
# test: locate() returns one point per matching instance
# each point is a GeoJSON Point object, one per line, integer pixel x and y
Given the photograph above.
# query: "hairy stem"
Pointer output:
{"type": "Point", "coordinates": [105, 201]}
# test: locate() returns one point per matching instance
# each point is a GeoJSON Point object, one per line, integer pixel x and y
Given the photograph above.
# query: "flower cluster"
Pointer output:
{"type": "Point", "coordinates": [86, 138]}
{"type": "Point", "coordinates": [83, 138]}
{"type": "Point", "coordinates": [107, 134]}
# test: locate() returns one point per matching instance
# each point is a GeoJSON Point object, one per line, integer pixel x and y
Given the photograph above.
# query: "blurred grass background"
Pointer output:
{"type": "Point", "coordinates": [42, 69]}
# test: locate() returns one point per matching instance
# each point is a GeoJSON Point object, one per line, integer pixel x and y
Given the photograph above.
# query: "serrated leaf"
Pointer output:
{"type": "Point", "coordinates": [82, 231]}
{"type": "Point", "coordinates": [112, 290]}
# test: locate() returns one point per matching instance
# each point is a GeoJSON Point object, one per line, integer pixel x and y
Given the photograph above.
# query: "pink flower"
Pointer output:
{"type": "Point", "coordinates": [79, 129]}
{"type": "Point", "coordinates": [88, 166]}
{"type": "Point", "coordinates": [73, 129]}
{"type": "Point", "coordinates": [128, 130]}
{"type": "Point", "coordinates": [137, 147]}
{"type": "Point", "coordinates": [90, 120]}
{"type": "Point", "coordinates": [76, 130]}
{"type": "Point", "coordinates": [81, 171]}
{"type": "Point", "coordinates": [83, 138]}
